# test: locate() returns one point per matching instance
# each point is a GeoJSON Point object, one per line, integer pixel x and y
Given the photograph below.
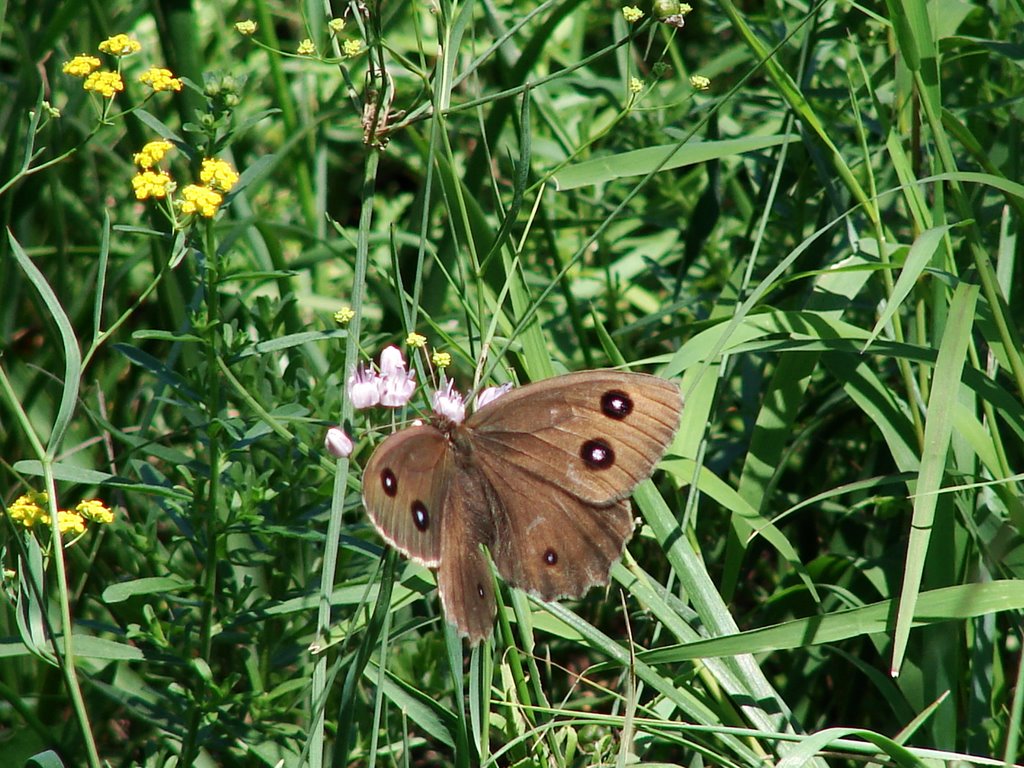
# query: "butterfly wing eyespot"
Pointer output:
{"type": "Point", "coordinates": [597, 454]}
{"type": "Point", "coordinates": [616, 404]}
{"type": "Point", "coordinates": [404, 486]}
{"type": "Point", "coordinates": [388, 482]}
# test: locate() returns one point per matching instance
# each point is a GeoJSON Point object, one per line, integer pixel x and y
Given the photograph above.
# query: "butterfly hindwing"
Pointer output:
{"type": "Point", "coordinates": [464, 576]}
{"type": "Point", "coordinates": [551, 543]}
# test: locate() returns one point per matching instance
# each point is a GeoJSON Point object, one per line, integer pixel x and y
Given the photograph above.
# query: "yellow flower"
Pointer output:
{"type": "Point", "coordinates": [95, 511]}
{"type": "Point", "coordinates": [343, 315]}
{"type": "Point", "coordinates": [29, 509]}
{"type": "Point", "coordinates": [416, 340]}
{"type": "Point", "coordinates": [70, 522]}
{"type": "Point", "coordinates": [336, 25]}
{"type": "Point", "coordinates": [699, 82]}
{"type": "Point", "coordinates": [152, 153]}
{"type": "Point", "coordinates": [635, 85]}
{"type": "Point", "coordinates": [81, 66]}
{"type": "Point", "coordinates": [201, 200]}
{"type": "Point", "coordinates": [120, 45]}
{"type": "Point", "coordinates": [160, 79]}
{"type": "Point", "coordinates": [441, 359]}
{"type": "Point", "coordinates": [104, 83]}
{"type": "Point", "coordinates": [632, 14]}
{"type": "Point", "coordinates": [352, 48]}
{"type": "Point", "coordinates": [218, 174]}
{"type": "Point", "coordinates": [306, 48]}
{"type": "Point", "coordinates": [152, 184]}
{"type": "Point", "coordinates": [247, 27]}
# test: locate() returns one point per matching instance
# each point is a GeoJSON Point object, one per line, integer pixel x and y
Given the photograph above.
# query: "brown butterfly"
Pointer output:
{"type": "Point", "coordinates": [541, 476]}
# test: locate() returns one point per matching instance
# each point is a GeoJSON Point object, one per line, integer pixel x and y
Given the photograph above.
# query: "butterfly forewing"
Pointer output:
{"type": "Point", "coordinates": [404, 488]}
{"type": "Point", "coordinates": [595, 434]}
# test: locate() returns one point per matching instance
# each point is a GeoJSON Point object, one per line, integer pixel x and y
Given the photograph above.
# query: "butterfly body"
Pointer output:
{"type": "Point", "coordinates": [540, 477]}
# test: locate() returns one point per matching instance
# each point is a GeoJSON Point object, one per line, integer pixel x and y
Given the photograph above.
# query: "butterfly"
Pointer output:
{"type": "Point", "coordinates": [540, 476]}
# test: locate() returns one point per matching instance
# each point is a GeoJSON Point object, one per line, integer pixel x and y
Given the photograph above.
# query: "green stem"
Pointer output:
{"type": "Point", "coordinates": [65, 651]}
{"type": "Point", "coordinates": [1008, 334]}
{"type": "Point", "coordinates": [323, 621]}
{"type": "Point", "coordinates": [213, 395]}
{"type": "Point", "coordinates": [208, 508]}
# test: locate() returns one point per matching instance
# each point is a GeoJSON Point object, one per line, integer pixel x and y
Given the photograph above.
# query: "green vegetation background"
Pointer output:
{"type": "Point", "coordinates": [821, 246]}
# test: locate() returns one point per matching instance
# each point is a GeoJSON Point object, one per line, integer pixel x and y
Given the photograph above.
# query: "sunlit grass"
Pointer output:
{"type": "Point", "coordinates": [808, 218]}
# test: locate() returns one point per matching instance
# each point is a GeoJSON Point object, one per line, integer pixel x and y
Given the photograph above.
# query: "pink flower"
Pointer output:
{"type": "Point", "coordinates": [364, 388]}
{"type": "Point", "coordinates": [448, 403]}
{"type": "Point", "coordinates": [395, 391]}
{"type": "Point", "coordinates": [490, 394]}
{"type": "Point", "coordinates": [396, 384]}
{"type": "Point", "coordinates": [391, 362]}
{"type": "Point", "coordinates": [338, 443]}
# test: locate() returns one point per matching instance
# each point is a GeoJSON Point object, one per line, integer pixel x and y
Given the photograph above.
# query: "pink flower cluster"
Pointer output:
{"type": "Point", "coordinates": [490, 394]}
{"type": "Point", "coordinates": [448, 403]}
{"type": "Point", "coordinates": [392, 386]}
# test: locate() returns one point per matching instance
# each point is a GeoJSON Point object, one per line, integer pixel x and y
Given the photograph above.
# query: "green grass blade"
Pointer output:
{"type": "Point", "coordinates": [938, 429]}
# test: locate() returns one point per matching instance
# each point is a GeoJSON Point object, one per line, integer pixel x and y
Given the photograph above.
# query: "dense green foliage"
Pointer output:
{"type": "Point", "coordinates": [819, 242]}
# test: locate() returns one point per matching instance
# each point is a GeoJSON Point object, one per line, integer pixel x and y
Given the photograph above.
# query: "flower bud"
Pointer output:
{"type": "Point", "coordinates": [337, 443]}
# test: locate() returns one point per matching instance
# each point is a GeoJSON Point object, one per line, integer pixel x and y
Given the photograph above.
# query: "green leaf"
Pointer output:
{"type": "Point", "coordinates": [118, 593]}
{"type": "Point", "coordinates": [72, 354]}
{"type": "Point", "coordinates": [640, 162]}
{"type": "Point", "coordinates": [946, 385]}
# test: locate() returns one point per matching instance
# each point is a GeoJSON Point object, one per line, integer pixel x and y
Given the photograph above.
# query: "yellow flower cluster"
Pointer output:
{"type": "Point", "coordinates": [201, 200]}
{"type": "Point", "coordinates": [632, 14]}
{"type": "Point", "coordinates": [416, 340]}
{"type": "Point", "coordinates": [699, 82]}
{"type": "Point", "coordinates": [336, 25]}
{"type": "Point", "coordinates": [152, 153]}
{"type": "Point", "coordinates": [160, 79]}
{"type": "Point", "coordinates": [306, 48]}
{"type": "Point", "coordinates": [106, 84]}
{"type": "Point", "coordinates": [352, 48]}
{"type": "Point", "coordinates": [218, 177]}
{"type": "Point", "coordinates": [218, 174]}
{"type": "Point", "coordinates": [441, 359]}
{"type": "Point", "coordinates": [344, 315]}
{"type": "Point", "coordinates": [29, 509]}
{"type": "Point", "coordinates": [81, 66]}
{"type": "Point", "coordinates": [70, 522]}
{"type": "Point", "coordinates": [147, 184]}
{"type": "Point", "coordinates": [120, 45]}
{"type": "Point", "coordinates": [247, 27]}
{"type": "Point", "coordinates": [95, 511]}
{"type": "Point", "coordinates": [635, 85]}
